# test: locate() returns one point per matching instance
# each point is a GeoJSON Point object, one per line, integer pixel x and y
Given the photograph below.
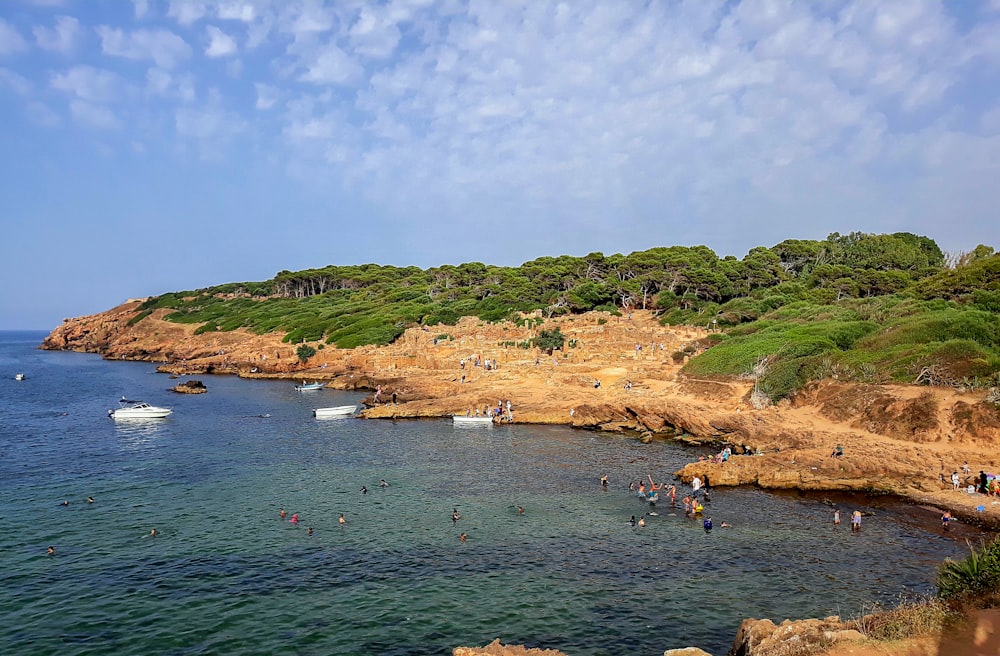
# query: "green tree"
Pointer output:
{"type": "Point", "coordinates": [304, 351]}
{"type": "Point", "coordinates": [549, 340]}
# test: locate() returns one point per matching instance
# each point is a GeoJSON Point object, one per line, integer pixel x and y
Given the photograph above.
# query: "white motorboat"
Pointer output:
{"type": "Point", "coordinates": [305, 387]}
{"type": "Point", "coordinates": [460, 420]}
{"type": "Point", "coordinates": [18, 376]}
{"type": "Point", "coordinates": [138, 410]}
{"type": "Point", "coordinates": [337, 411]}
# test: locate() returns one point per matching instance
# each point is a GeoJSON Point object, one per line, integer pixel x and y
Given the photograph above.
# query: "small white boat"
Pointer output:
{"type": "Point", "coordinates": [460, 420]}
{"type": "Point", "coordinates": [337, 411]}
{"type": "Point", "coordinates": [305, 387]}
{"type": "Point", "coordinates": [18, 376]}
{"type": "Point", "coordinates": [138, 410]}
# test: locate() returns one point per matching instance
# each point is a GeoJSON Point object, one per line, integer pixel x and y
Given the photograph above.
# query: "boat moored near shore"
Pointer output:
{"type": "Point", "coordinates": [138, 410]}
{"type": "Point", "coordinates": [336, 411]}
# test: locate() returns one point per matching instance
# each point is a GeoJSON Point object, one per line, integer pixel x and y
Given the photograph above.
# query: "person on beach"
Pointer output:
{"type": "Point", "coordinates": [836, 517]}
{"type": "Point", "coordinates": [856, 521]}
{"type": "Point", "coordinates": [695, 486]}
{"type": "Point", "coordinates": [378, 395]}
{"type": "Point", "coordinates": [946, 521]}
{"type": "Point", "coordinates": [984, 482]}
{"type": "Point", "coordinates": [394, 397]}
{"type": "Point", "coordinates": [955, 484]}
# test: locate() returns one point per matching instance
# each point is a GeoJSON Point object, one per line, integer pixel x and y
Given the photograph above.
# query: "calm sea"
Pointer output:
{"type": "Point", "coordinates": [225, 575]}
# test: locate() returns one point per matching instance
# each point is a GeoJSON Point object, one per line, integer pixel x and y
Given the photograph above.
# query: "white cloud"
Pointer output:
{"type": "Point", "coordinates": [94, 116]}
{"type": "Point", "coordinates": [220, 44]}
{"type": "Point", "coordinates": [62, 38]}
{"type": "Point", "coordinates": [210, 124]}
{"type": "Point", "coordinates": [11, 40]}
{"type": "Point", "coordinates": [331, 65]}
{"type": "Point", "coordinates": [186, 12]}
{"type": "Point", "coordinates": [241, 11]}
{"type": "Point", "coordinates": [162, 46]}
{"type": "Point", "coordinates": [141, 8]}
{"type": "Point", "coordinates": [374, 34]}
{"type": "Point", "coordinates": [168, 85]}
{"type": "Point", "coordinates": [88, 83]}
{"type": "Point", "coordinates": [40, 114]}
{"type": "Point", "coordinates": [16, 83]}
{"type": "Point", "coordinates": [308, 17]}
{"type": "Point", "coordinates": [267, 95]}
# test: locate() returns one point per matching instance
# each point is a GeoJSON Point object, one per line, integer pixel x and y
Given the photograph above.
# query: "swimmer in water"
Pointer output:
{"type": "Point", "coordinates": [52, 551]}
{"type": "Point", "coordinates": [342, 520]}
{"type": "Point", "coordinates": [642, 522]}
{"type": "Point", "coordinates": [462, 537]}
{"type": "Point", "coordinates": [152, 532]}
{"type": "Point", "coordinates": [364, 490]}
{"type": "Point", "coordinates": [455, 516]}
{"type": "Point", "coordinates": [309, 531]}
{"type": "Point", "coordinates": [632, 520]}
{"type": "Point", "coordinates": [520, 510]}
{"type": "Point", "coordinates": [90, 499]}
{"type": "Point", "coordinates": [295, 518]}
{"type": "Point", "coordinates": [604, 480]}
{"type": "Point", "coordinates": [281, 513]}
{"type": "Point", "coordinates": [383, 483]}
{"type": "Point", "coordinates": [64, 503]}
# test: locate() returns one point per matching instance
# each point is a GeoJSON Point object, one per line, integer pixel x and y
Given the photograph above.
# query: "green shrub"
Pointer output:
{"type": "Point", "coordinates": [304, 352]}
{"type": "Point", "coordinates": [975, 578]}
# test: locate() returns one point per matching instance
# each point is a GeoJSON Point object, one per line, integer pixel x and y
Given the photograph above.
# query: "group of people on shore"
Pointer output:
{"type": "Point", "coordinates": [503, 412]}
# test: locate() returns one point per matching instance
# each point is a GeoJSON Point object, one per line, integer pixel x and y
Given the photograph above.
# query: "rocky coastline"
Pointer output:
{"type": "Point", "coordinates": [619, 374]}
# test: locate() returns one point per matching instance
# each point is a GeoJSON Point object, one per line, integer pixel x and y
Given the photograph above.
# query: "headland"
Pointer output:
{"type": "Point", "coordinates": [620, 374]}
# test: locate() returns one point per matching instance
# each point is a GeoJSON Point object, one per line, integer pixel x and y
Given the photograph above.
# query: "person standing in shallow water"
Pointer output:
{"type": "Point", "coordinates": [836, 517]}
{"type": "Point", "coordinates": [856, 521]}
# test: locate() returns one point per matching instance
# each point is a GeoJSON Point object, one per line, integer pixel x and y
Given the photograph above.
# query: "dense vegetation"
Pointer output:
{"type": "Point", "coordinates": [858, 306]}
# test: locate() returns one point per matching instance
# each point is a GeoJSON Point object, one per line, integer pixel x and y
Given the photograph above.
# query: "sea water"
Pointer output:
{"type": "Point", "coordinates": [226, 575]}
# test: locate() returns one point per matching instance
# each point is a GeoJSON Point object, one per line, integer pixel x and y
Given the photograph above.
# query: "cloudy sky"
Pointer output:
{"type": "Point", "coordinates": [161, 145]}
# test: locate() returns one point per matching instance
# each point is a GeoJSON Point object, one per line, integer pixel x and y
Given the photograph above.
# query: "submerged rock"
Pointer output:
{"type": "Point", "coordinates": [190, 387]}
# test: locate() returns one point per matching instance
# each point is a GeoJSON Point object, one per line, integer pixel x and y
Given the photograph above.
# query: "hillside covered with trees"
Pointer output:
{"type": "Point", "coordinates": [861, 307]}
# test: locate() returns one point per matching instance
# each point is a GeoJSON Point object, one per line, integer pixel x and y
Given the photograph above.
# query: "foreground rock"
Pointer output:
{"type": "Point", "coordinates": [497, 649]}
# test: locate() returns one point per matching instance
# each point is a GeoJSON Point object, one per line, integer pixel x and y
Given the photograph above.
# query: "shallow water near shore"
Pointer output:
{"type": "Point", "coordinates": [225, 574]}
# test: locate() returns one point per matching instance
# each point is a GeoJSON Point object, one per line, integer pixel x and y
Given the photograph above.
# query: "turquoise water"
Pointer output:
{"type": "Point", "coordinates": [226, 575]}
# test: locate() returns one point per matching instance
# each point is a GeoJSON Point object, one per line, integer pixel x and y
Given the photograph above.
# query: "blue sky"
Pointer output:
{"type": "Point", "coordinates": [155, 146]}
